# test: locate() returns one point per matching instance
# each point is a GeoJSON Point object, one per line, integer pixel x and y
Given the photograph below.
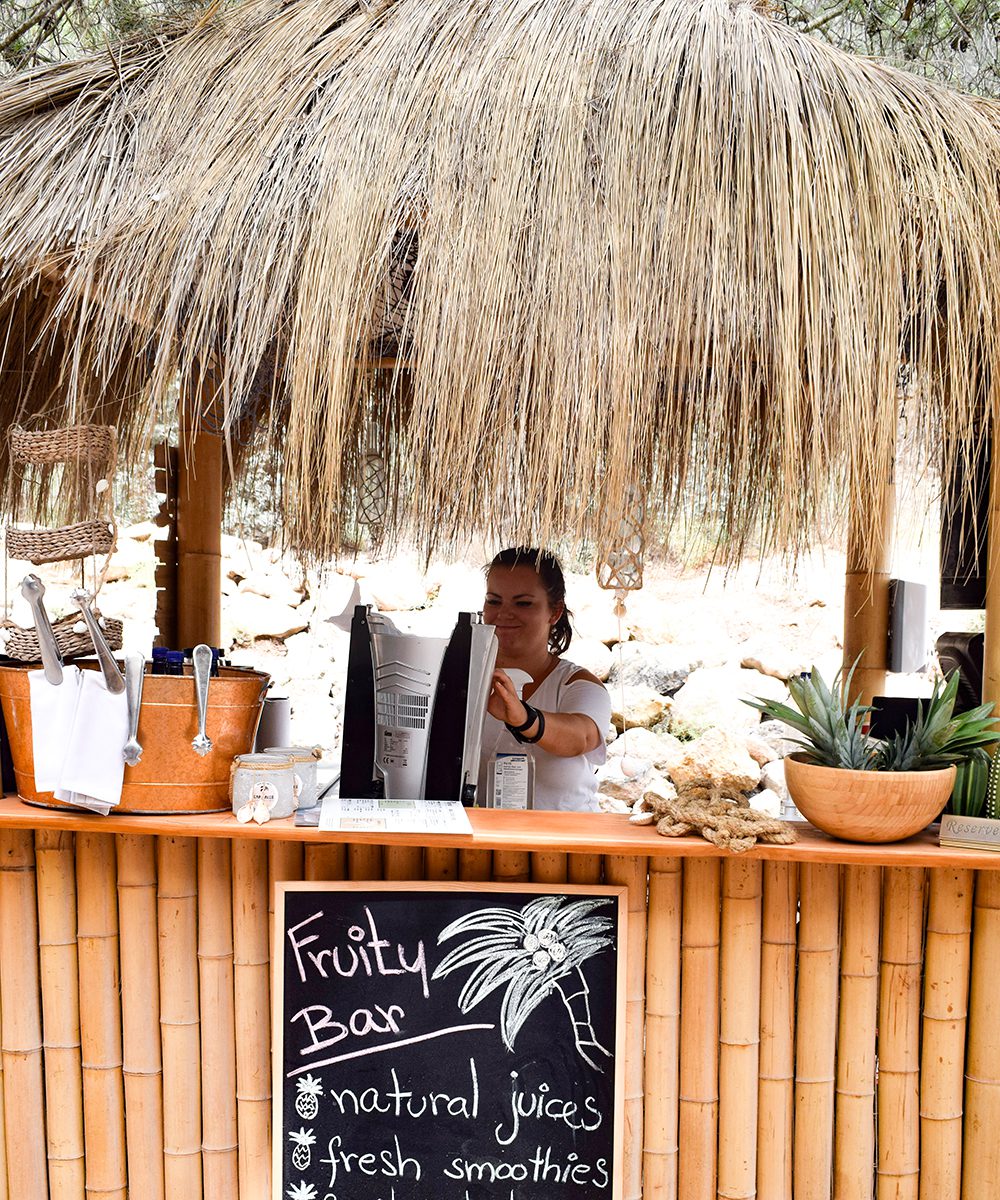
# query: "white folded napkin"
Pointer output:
{"type": "Point", "coordinates": [53, 709]}
{"type": "Point", "coordinates": [94, 767]}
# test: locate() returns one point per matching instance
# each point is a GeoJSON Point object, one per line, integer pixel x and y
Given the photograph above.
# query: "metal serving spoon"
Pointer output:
{"type": "Point", "coordinates": [32, 589]}
{"type": "Point", "coordinates": [134, 667]}
{"type": "Point", "coordinates": [113, 680]}
{"type": "Point", "coordinates": [201, 657]}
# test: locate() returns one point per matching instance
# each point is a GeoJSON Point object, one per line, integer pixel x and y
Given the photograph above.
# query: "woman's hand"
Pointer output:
{"type": "Point", "coordinates": [503, 702]}
{"type": "Point", "coordinates": [566, 734]}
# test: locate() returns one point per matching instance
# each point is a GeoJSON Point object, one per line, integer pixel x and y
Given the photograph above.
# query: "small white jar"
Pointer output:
{"type": "Point", "coordinates": [262, 786]}
{"type": "Point", "coordinates": [304, 761]}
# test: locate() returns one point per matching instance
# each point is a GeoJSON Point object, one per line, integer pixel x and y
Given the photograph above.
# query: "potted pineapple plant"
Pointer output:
{"type": "Point", "coordinates": [864, 789]}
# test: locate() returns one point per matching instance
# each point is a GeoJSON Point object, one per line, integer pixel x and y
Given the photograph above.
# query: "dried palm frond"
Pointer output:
{"type": "Point", "coordinates": [670, 243]}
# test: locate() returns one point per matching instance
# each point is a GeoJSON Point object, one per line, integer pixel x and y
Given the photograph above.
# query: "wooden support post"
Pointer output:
{"type": "Point", "coordinates": [991, 653]}
{"type": "Point", "coordinates": [199, 538]}
{"type": "Point", "coordinates": [866, 596]}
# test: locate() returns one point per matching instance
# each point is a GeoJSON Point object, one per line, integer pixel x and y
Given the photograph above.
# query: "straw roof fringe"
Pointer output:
{"type": "Point", "coordinates": [657, 241]}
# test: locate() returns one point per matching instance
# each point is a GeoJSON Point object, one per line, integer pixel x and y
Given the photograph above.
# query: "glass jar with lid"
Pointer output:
{"type": "Point", "coordinates": [262, 786]}
{"type": "Point", "coordinates": [304, 761]}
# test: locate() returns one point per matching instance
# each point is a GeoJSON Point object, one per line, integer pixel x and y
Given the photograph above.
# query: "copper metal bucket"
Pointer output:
{"type": "Point", "coordinates": [170, 777]}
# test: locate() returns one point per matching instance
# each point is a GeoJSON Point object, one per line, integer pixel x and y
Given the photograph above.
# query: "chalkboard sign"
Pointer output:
{"type": "Point", "coordinates": [448, 1041]}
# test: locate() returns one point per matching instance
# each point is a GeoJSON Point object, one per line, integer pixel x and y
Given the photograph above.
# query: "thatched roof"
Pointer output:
{"type": "Point", "coordinates": [663, 242]}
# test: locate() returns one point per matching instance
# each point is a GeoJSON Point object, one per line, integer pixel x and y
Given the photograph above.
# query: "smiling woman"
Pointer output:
{"type": "Point", "coordinates": [565, 710]}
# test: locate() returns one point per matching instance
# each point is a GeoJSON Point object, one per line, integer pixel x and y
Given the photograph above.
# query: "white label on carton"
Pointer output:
{"type": "Point", "coordinates": [510, 781]}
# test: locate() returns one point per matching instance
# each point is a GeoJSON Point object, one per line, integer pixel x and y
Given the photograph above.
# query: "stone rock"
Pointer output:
{"type": "Point", "coordinates": [631, 791]}
{"type": "Point", "coordinates": [144, 531]}
{"type": "Point", "coordinates": [272, 585]}
{"type": "Point", "coordinates": [592, 655]}
{"type": "Point", "coordinates": [637, 707]}
{"type": "Point", "coordinates": [760, 750]}
{"type": "Point", "coordinates": [662, 668]}
{"type": "Point", "coordinates": [612, 804]}
{"type": "Point", "coordinates": [247, 617]}
{"type": "Point", "coordinates": [131, 560]}
{"type": "Point", "coordinates": [597, 621]}
{"type": "Point", "coordinates": [719, 757]}
{"type": "Point", "coordinates": [772, 777]}
{"type": "Point", "coordinates": [774, 664]}
{"type": "Point", "coordinates": [395, 585]}
{"type": "Point", "coordinates": [766, 801]}
{"type": "Point", "coordinates": [778, 737]}
{"type": "Point", "coordinates": [713, 696]}
{"type": "Point", "coordinates": [660, 750]}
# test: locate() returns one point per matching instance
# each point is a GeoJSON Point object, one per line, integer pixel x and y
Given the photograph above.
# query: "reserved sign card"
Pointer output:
{"type": "Point", "coordinates": [448, 1042]}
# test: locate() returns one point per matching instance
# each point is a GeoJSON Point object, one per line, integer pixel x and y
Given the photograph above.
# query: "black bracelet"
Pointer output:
{"type": "Point", "coordinates": [530, 741]}
{"type": "Point", "coordinates": [529, 721]}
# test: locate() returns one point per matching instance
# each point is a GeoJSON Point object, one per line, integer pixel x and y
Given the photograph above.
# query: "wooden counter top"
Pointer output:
{"type": "Point", "coordinates": [492, 829]}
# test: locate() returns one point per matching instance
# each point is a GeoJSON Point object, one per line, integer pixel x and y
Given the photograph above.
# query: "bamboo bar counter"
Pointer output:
{"type": "Point", "coordinates": [777, 1002]}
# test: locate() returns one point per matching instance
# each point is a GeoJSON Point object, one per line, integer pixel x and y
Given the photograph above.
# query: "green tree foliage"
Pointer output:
{"type": "Point", "coordinates": [36, 33]}
{"type": "Point", "coordinates": [954, 41]}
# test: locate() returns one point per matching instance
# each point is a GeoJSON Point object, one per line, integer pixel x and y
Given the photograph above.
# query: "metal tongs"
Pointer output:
{"type": "Point", "coordinates": [32, 589]}
{"type": "Point", "coordinates": [113, 679]}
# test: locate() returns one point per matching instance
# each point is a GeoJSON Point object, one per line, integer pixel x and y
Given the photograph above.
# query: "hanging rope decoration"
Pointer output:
{"type": "Point", "coordinates": [373, 500]}
{"type": "Point", "coordinates": [619, 569]}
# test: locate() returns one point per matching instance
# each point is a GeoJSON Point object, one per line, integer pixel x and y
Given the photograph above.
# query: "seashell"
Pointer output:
{"type": "Point", "coordinates": [642, 818]}
{"type": "Point", "coordinates": [631, 766]}
{"type": "Point", "coordinates": [102, 487]}
{"type": "Point", "coordinates": [244, 813]}
{"type": "Point", "coordinates": [79, 627]}
{"type": "Point", "coordinates": [261, 812]}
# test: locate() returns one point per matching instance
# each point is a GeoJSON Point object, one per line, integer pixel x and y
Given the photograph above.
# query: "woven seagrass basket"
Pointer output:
{"type": "Point", "coordinates": [95, 444]}
{"type": "Point", "coordinates": [58, 545]}
{"type": "Point", "coordinates": [22, 644]}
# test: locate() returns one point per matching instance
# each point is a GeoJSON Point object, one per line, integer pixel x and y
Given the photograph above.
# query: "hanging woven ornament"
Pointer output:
{"type": "Point", "coordinates": [619, 570]}
{"type": "Point", "coordinates": [373, 501]}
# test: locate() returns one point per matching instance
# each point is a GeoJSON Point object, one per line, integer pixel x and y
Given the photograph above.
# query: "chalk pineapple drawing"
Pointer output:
{"type": "Point", "coordinates": [531, 952]}
{"type": "Point", "coordinates": [301, 1191]}
{"type": "Point", "coordinates": [304, 1139]}
{"type": "Point", "coordinates": [306, 1102]}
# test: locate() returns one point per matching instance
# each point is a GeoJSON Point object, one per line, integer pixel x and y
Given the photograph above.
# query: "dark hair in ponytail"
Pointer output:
{"type": "Point", "coordinates": [550, 572]}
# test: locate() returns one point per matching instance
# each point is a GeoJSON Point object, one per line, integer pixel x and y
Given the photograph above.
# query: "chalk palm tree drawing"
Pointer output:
{"type": "Point", "coordinates": [532, 952]}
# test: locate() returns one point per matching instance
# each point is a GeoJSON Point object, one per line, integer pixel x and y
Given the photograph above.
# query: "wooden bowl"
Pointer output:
{"type": "Point", "coordinates": [867, 806]}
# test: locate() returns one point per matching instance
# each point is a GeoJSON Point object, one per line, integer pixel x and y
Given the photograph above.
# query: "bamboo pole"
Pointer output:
{"type": "Point", "coordinates": [585, 868]}
{"type": "Point", "coordinates": [899, 1034]}
{"type": "Point", "coordinates": [946, 1000]}
{"type": "Point", "coordinates": [866, 594]}
{"type": "Point", "coordinates": [549, 867]}
{"type": "Point", "coordinates": [59, 968]}
{"type": "Point", "coordinates": [440, 864]}
{"type": "Point", "coordinates": [991, 649]}
{"type": "Point", "coordinates": [776, 1091]}
{"type": "Point", "coordinates": [406, 862]}
{"type": "Point", "coordinates": [21, 1024]}
{"type": "Point", "coordinates": [663, 1009]}
{"type": "Point", "coordinates": [475, 866]}
{"type": "Point", "coordinates": [632, 873]}
{"type": "Point", "coordinates": [284, 862]}
{"type": "Point", "coordinates": [364, 861]}
{"type": "Point", "coordinates": [100, 1016]}
{"type": "Point", "coordinates": [142, 1064]}
{"type": "Point", "coordinates": [177, 916]}
{"type": "Point", "coordinates": [218, 1026]}
{"type": "Point", "coordinates": [816, 1031]}
{"type": "Point", "coordinates": [698, 1106]}
{"type": "Point", "coordinates": [854, 1152]}
{"type": "Point", "coordinates": [981, 1146]}
{"type": "Point", "coordinates": [511, 866]}
{"type": "Point", "coordinates": [252, 1011]}
{"type": "Point", "coordinates": [325, 861]}
{"type": "Point", "coordinates": [739, 1028]}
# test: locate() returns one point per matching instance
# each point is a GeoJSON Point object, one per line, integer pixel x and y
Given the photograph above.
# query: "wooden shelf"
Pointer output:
{"type": "Point", "coordinates": [574, 833]}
